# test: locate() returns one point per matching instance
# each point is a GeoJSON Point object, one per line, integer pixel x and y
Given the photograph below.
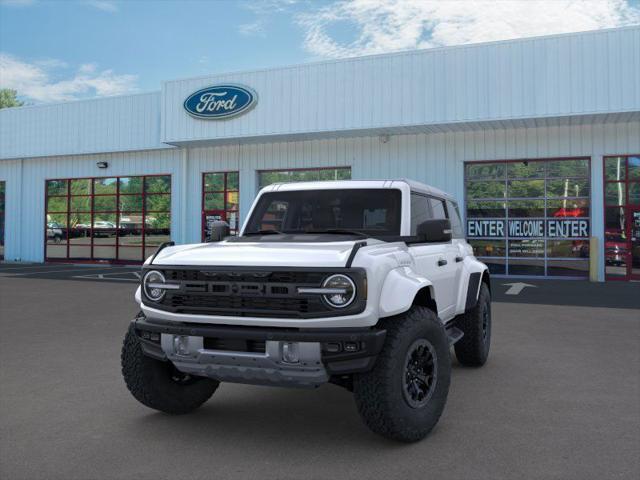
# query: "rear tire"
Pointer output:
{"type": "Point", "coordinates": [472, 349]}
{"type": "Point", "coordinates": [159, 385]}
{"type": "Point", "coordinates": [404, 395]}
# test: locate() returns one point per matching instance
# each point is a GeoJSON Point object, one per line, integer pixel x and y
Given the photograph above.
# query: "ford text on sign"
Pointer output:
{"type": "Point", "coordinates": [220, 101]}
{"type": "Point", "coordinates": [534, 228]}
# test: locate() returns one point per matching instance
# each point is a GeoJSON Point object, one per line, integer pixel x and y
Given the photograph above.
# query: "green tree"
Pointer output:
{"type": "Point", "coordinates": [8, 98]}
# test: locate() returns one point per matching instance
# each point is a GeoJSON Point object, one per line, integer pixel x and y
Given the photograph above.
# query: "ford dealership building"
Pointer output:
{"type": "Point", "coordinates": [538, 138]}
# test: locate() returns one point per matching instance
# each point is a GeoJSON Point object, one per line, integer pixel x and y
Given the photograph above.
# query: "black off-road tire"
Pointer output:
{"type": "Point", "coordinates": [472, 349]}
{"type": "Point", "coordinates": [380, 394]}
{"type": "Point", "coordinates": [158, 384]}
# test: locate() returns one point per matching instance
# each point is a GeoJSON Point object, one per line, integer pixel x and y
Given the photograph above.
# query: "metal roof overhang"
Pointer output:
{"type": "Point", "coordinates": [460, 126]}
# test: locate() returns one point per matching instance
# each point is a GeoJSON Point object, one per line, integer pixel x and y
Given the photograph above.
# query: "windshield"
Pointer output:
{"type": "Point", "coordinates": [373, 212]}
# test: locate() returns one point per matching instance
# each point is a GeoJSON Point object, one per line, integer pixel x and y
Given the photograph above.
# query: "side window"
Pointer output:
{"type": "Point", "coordinates": [437, 207]}
{"type": "Point", "coordinates": [454, 217]}
{"type": "Point", "coordinates": [419, 211]}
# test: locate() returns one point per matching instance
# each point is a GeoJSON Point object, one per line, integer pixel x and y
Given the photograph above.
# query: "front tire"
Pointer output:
{"type": "Point", "coordinates": [159, 385]}
{"type": "Point", "coordinates": [404, 395]}
{"type": "Point", "coordinates": [472, 350]}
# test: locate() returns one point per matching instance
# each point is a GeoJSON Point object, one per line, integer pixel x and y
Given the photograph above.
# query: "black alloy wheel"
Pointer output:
{"type": "Point", "coordinates": [420, 373]}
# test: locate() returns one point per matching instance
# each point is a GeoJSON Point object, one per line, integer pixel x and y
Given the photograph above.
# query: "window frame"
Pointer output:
{"type": "Point", "coordinates": [506, 178]}
{"type": "Point", "coordinates": [627, 206]}
{"type": "Point", "coordinates": [92, 215]}
{"type": "Point", "coordinates": [445, 201]}
{"type": "Point", "coordinates": [224, 192]}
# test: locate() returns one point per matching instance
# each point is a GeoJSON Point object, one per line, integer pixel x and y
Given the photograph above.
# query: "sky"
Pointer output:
{"type": "Point", "coordinates": [60, 50]}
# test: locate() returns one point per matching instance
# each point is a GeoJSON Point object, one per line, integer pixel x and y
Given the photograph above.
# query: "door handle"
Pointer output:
{"type": "Point", "coordinates": [442, 262]}
{"type": "Point", "coordinates": [459, 259]}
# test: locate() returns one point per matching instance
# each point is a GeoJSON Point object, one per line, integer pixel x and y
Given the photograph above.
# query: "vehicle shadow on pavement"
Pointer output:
{"type": "Point", "coordinates": [262, 413]}
{"type": "Point", "coordinates": [255, 415]}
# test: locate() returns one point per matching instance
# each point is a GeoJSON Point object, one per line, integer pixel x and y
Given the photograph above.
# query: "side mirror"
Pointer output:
{"type": "Point", "coordinates": [436, 231]}
{"type": "Point", "coordinates": [218, 230]}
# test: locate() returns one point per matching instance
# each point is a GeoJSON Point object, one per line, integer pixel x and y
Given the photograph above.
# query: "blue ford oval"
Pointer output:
{"type": "Point", "coordinates": [220, 101]}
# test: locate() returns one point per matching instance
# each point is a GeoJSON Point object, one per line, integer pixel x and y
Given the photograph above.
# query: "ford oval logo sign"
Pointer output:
{"type": "Point", "coordinates": [220, 101]}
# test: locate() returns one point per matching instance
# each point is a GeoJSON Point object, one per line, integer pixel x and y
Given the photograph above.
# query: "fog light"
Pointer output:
{"type": "Point", "coordinates": [181, 344]}
{"type": "Point", "coordinates": [291, 352]}
{"type": "Point", "coordinates": [350, 347]}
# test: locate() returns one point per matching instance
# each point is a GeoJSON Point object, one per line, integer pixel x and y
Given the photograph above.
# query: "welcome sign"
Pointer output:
{"type": "Point", "coordinates": [528, 228]}
{"type": "Point", "coordinates": [220, 101]}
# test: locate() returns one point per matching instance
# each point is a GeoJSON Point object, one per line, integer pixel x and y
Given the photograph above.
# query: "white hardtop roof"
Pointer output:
{"type": "Point", "coordinates": [342, 184]}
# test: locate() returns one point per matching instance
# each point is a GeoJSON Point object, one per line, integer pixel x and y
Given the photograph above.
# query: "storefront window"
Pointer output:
{"type": "Point", "coordinates": [530, 217]}
{"type": "Point", "coordinates": [488, 209]}
{"type": "Point", "coordinates": [107, 219]}
{"type": "Point", "coordinates": [528, 169]}
{"type": "Point", "coordinates": [220, 198]}
{"type": "Point", "coordinates": [486, 171]}
{"type": "Point", "coordinates": [622, 217]}
{"type": "Point", "coordinates": [615, 193]}
{"type": "Point", "coordinates": [267, 177]}
{"type": "Point", "coordinates": [525, 188]}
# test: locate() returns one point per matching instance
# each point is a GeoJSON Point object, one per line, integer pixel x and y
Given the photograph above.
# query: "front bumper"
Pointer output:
{"type": "Point", "coordinates": [324, 353]}
{"type": "Point", "coordinates": [367, 318]}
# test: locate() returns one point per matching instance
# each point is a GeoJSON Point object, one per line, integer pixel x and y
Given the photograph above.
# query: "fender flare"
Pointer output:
{"type": "Point", "coordinates": [476, 273]}
{"type": "Point", "coordinates": [399, 290]}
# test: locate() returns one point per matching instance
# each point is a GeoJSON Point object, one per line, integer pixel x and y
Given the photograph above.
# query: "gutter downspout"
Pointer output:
{"type": "Point", "coordinates": [184, 197]}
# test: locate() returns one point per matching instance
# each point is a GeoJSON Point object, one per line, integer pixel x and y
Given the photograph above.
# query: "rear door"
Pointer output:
{"type": "Point", "coordinates": [457, 234]}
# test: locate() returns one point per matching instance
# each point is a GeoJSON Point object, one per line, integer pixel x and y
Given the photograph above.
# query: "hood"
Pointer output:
{"type": "Point", "coordinates": [267, 254]}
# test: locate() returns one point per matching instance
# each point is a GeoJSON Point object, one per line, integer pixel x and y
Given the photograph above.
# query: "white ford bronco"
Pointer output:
{"type": "Point", "coordinates": [364, 284]}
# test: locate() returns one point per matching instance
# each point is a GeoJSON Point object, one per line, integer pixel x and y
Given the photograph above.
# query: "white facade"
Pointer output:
{"type": "Point", "coordinates": [419, 115]}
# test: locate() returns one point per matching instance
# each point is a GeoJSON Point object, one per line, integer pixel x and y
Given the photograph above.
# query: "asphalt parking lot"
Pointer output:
{"type": "Point", "coordinates": [559, 397]}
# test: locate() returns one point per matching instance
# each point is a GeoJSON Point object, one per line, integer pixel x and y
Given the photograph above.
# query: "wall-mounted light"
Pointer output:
{"type": "Point", "coordinates": [102, 164]}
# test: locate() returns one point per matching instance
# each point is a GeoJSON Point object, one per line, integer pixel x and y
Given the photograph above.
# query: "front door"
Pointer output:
{"type": "Point", "coordinates": [634, 243]}
{"type": "Point", "coordinates": [437, 261]}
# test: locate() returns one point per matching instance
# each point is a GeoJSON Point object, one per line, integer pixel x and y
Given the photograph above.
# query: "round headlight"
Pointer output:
{"type": "Point", "coordinates": [343, 291]}
{"type": "Point", "coordinates": [151, 279]}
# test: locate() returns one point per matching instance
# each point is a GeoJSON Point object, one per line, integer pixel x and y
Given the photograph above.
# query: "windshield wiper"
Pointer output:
{"type": "Point", "coordinates": [263, 232]}
{"type": "Point", "coordinates": [339, 231]}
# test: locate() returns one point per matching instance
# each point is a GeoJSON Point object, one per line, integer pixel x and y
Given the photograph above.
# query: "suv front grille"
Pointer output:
{"type": "Point", "coordinates": [235, 345]}
{"type": "Point", "coordinates": [254, 293]}
{"type": "Point", "coordinates": [244, 306]}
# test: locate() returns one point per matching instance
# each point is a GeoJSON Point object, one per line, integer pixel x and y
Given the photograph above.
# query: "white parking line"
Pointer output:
{"type": "Point", "coordinates": [101, 276]}
{"type": "Point", "coordinates": [42, 268]}
{"type": "Point", "coordinates": [14, 274]}
{"type": "Point", "coordinates": [24, 267]}
{"type": "Point", "coordinates": [112, 276]}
